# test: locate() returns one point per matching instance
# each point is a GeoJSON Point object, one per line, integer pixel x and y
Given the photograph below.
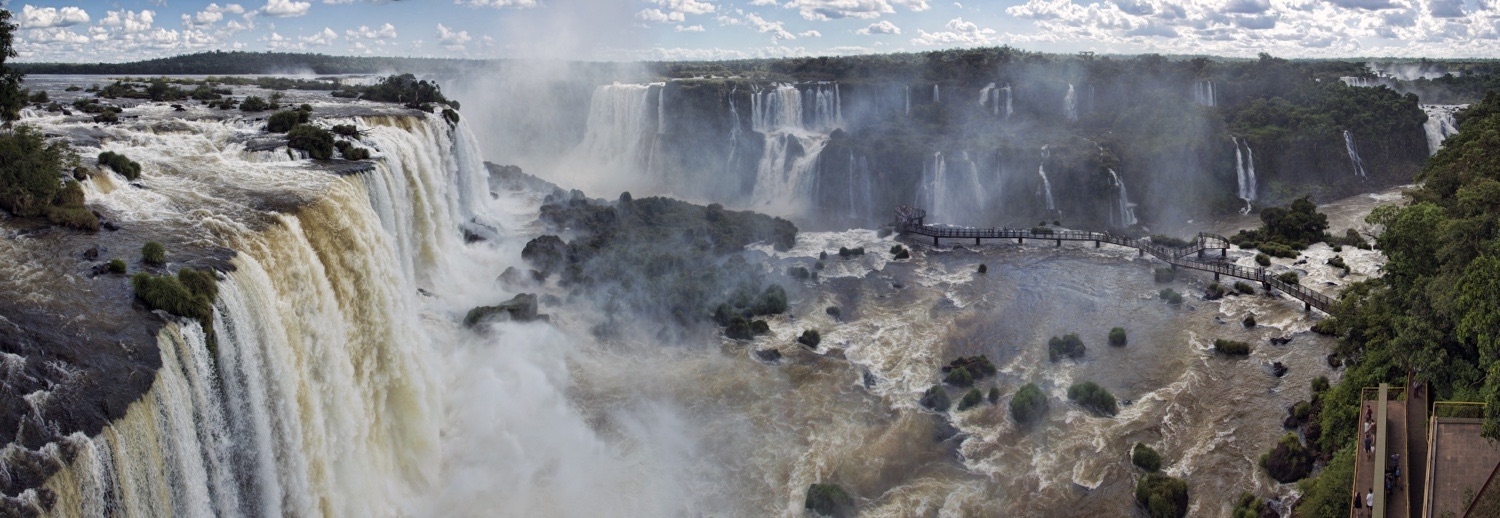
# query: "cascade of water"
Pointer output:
{"type": "Point", "coordinates": [1359, 165]}
{"type": "Point", "coordinates": [1070, 104]}
{"type": "Point", "coordinates": [786, 171]}
{"type": "Point", "coordinates": [1244, 168]}
{"type": "Point", "coordinates": [907, 92]}
{"type": "Point", "coordinates": [734, 130]}
{"type": "Point", "coordinates": [827, 114]}
{"type": "Point", "coordinates": [1126, 212]}
{"type": "Point", "coordinates": [838, 107]}
{"type": "Point", "coordinates": [661, 110]}
{"type": "Point", "coordinates": [1041, 170]}
{"type": "Point", "coordinates": [776, 109]}
{"type": "Point", "coordinates": [618, 130]}
{"type": "Point", "coordinates": [1440, 124]}
{"type": "Point", "coordinates": [1203, 93]}
{"type": "Point", "coordinates": [937, 94]}
{"type": "Point", "coordinates": [984, 94]}
{"type": "Point", "coordinates": [1008, 107]}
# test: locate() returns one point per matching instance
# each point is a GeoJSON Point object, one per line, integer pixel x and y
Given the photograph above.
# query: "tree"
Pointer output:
{"type": "Point", "coordinates": [12, 98]}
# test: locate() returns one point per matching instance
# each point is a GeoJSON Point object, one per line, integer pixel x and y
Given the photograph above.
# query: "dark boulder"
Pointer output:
{"type": "Point", "coordinates": [1278, 369]}
{"type": "Point", "coordinates": [522, 308]}
{"type": "Point", "coordinates": [829, 500]}
{"type": "Point", "coordinates": [768, 355]}
{"type": "Point", "coordinates": [548, 253]}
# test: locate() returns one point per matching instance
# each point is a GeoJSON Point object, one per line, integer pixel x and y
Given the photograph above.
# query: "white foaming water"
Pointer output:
{"type": "Point", "coordinates": [1126, 212]}
{"type": "Point", "coordinates": [1440, 124]}
{"type": "Point", "coordinates": [1041, 170]}
{"type": "Point", "coordinates": [337, 388]}
{"type": "Point", "coordinates": [937, 94]}
{"type": "Point", "coordinates": [907, 91]}
{"type": "Point", "coordinates": [788, 164]}
{"type": "Point", "coordinates": [1203, 93]}
{"type": "Point", "coordinates": [1244, 168]}
{"type": "Point", "coordinates": [619, 139]}
{"type": "Point", "coordinates": [1070, 104]}
{"type": "Point", "coordinates": [1009, 109]}
{"type": "Point", "coordinates": [1359, 165]}
{"type": "Point", "coordinates": [951, 195]}
{"type": "Point", "coordinates": [984, 94]}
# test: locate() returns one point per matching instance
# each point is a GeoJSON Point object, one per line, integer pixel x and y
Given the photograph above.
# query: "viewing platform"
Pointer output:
{"type": "Point", "coordinates": [1194, 256]}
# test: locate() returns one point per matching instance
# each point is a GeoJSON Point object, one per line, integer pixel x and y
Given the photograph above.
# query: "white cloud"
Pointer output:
{"type": "Point", "coordinates": [832, 9]}
{"type": "Point", "coordinates": [364, 32]}
{"type": "Point", "coordinates": [687, 6]}
{"type": "Point", "coordinates": [498, 4]}
{"type": "Point", "coordinates": [129, 21]}
{"type": "Point", "coordinates": [321, 39]}
{"type": "Point", "coordinates": [690, 28]}
{"type": "Point", "coordinates": [285, 8]}
{"type": "Point", "coordinates": [762, 25]}
{"type": "Point", "coordinates": [452, 40]}
{"type": "Point", "coordinates": [211, 15]}
{"type": "Point", "coordinates": [762, 2]}
{"type": "Point", "coordinates": [656, 15]}
{"type": "Point", "coordinates": [809, 34]}
{"type": "Point", "coordinates": [880, 27]}
{"type": "Point", "coordinates": [960, 33]}
{"type": "Point", "coordinates": [55, 35]}
{"type": "Point", "coordinates": [46, 17]}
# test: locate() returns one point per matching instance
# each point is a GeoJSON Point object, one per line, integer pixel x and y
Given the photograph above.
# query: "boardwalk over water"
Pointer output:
{"type": "Point", "coordinates": [910, 220]}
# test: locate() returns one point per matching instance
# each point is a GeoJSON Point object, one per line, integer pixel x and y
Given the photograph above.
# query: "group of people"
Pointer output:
{"type": "Point", "coordinates": [1392, 473]}
{"type": "Point", "coordinates": [1369, 430]}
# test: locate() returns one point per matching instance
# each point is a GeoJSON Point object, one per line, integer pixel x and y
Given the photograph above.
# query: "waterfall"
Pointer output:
{"type": "Point", "coordinates": [1041, 170]}
{"type": "Point", "coordinates": [1203, 93]}
{"type": "Point", "coordinates": [937, 94]}
{"type": "Point", "coordinates": [661, 110]}
{"type": "Point", "coordinates": [1440, 124]}
{"type": "Point", "coordinates": [838, 107]}
{"type": "Point", "coordinates": [907, 90]}
{"type": "Point", "coordinates": [1359, 165]}
{"type": "Point", "coordinates": [984, 94]}
{"type": "Point", "coordinates": [734, 131]}
{"type": "Point", "coordinates": [827, 114]}
{"type": "Point", "coordinates": [950, 195]}
{"type": "Point", "coordinates": [776, 109]}
{"type": "Point", "coordinates": [1070, 104]}
{"type": "Point", "coordinates": [619, 136]}
{"type": "Point", "coordinates": [1126, 212]}
{"type": "Point", "coordinates": [321, 399]}
{"type": "Point", "coordinates": [1008, 107]}
{"type": "Point", "coordinates": [1244, 168]}
{"type": "Point", "coordinates": [785, 174]}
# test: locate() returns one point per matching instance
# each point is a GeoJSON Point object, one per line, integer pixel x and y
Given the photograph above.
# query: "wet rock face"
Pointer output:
{"type": "Point", "coordinates": [521, 308]}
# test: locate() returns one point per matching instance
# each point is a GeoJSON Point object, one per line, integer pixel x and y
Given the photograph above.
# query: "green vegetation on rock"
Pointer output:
{"type": "Point", "coordinates": [1093, 397]}
{"type": "Point", "coordinates": [1145, 458]}
{"type": "Point", "coordinates": [1066, 346]}
{"type": "Point", "coordinates": [1231, 347]}
{"type": "Point", "coordinates": [153, 253]}
{"type": "Point", "coordinates": [1162, 496]}
{"type": "Point", "coordinates": [1029, 404]}
{"type": "Point", "coordinates": [1117, 336]}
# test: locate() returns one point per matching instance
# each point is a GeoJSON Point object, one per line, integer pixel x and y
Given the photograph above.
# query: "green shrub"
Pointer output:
{"type": "Point", "coordinates": [1162, 496]}
{"type": "Point", "coordinates": [1231, 347]}
{"type": "Point", "coordinates": [1289, 278]}
{"type": "Point", "coordinates": [1248, 506]}
{"type": "Point", "coordinates": [1244, 288]}
{"type": "Point", "coordinates": [1042, 231]}
{"type": "Point", "coordinates": [846, 253]}
{"type": "Point", "coordinates": [1354, 239]}
{"type": "Point", "coordinates": [1117, 336]}
{"type": "Point", "coordinates": [317, 142]}
{"type": "Point", "coordinates": [810, 338]}
{"type": "Point", "coordinates": [1319, 385]}
{"type": "Point", "coordinates": [1288, 461]}
{"type": "Point", "coordinates": [345, 130]}
{"type": "Point", "coordinates": [978, 366]}
{"type": "Point", "coordinates": [154, 253]}
{"type": "Point", "coordinates": [1263, 260]}
{"type": "Point", "coordinates": [284, 121]}
{"type": "Point", "coordinates": [896, 249]}
{"type": "Point", "coordinates": [1093, 397]}
{"type": "Point", "coordinates": [1169, 241]}
{"type": "Point", "coordinates": [107, 117]}
{"type": "Point", "coordinates": [1215, 291]}
{"type": "Point", "coordinates": [254, 104]}
{"type": "Point", "coordinates": [1029, 404]}
{"type": "Point", "coordinates": [1249, 320]}
{"type": "Point", "coordinates": [983, 269]}
{"type": "Point", "coordinates": [1145, 458]}
{"type": "Point", "coordinates": [126, 167]}
{"type": "Point", "coordinates": [835, 312]}
{"type": "Point", "coordinates": [971, 398]}
{"type": "Point", "coordinates": [39, 97]}
{"type": "Point", "coordinates": [935, 398]}
{"type": "Point", "coordinates": [959, 377]}
{"type": "Point", "coordinates": [29, 170]}
{"type": "Point", "coordinates": [994, 395]}
{"type": "Point", "coordinates": [1278, 250]}
{"type": "Point", "coordinates": [903, 254]}
{"type": "Point", "coordinates": [829, 500]}
{"type": "Point", "coordinates": [450, 115]}
{"type": "Point", "coordinates": [68, 210]}
{"type": "Point", "coordinates": [1327, 327]}
{"type": "Point", "coordinates": [171, 294]}
{"type": "Point", "coordinates": [117, 265]}
{"type": "Point", "coordinates": [1338, 262]}
{"type": "Point", "coordinates": [741, 329]}
{"type": "Point", "coordinates": [1066, 346]}
{"type": "Point", "coordinates": [799, 272]}
{"type": "Point", "coordinates": [1171, 296]}
{"type": "Point", "coordinates": [1166, 274]}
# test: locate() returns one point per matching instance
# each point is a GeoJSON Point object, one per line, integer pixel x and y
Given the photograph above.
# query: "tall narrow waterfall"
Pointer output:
{"type": "Point", "coordinates": [1041, 170]}
{"type": "Point", "coordinates": [619, 123]}
{"type": "Point", "coordinates": [1009, 109]}
{"type": "Point", "coordinates": [951, 194]}
{"type": "Point", "coordinates": [985, 95]}
{"type": "Point", "coordinates": [907, 91]}
{"type": "Point", "coordinates": [1359, 165]}
{"type": "Point", "coordinates": [734, 130]}
{"type": "Point", "coordinates": [1070, 104]}
{"type": "Point", "coordinates": [1440, 124]}
{"type": "Point", "coordinates": [1244, 168]}
{"type": "Point", "coordinates": [937, 94]}
{"type": "Point", "coordinates": [1126, 211]}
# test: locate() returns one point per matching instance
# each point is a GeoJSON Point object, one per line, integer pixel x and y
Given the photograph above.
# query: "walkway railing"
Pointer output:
{"type": "Point", "coordinates": [912, 220]}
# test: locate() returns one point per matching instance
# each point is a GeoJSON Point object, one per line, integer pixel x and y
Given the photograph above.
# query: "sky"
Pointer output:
{"type": "Point", "coordinates": [130, 30]}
